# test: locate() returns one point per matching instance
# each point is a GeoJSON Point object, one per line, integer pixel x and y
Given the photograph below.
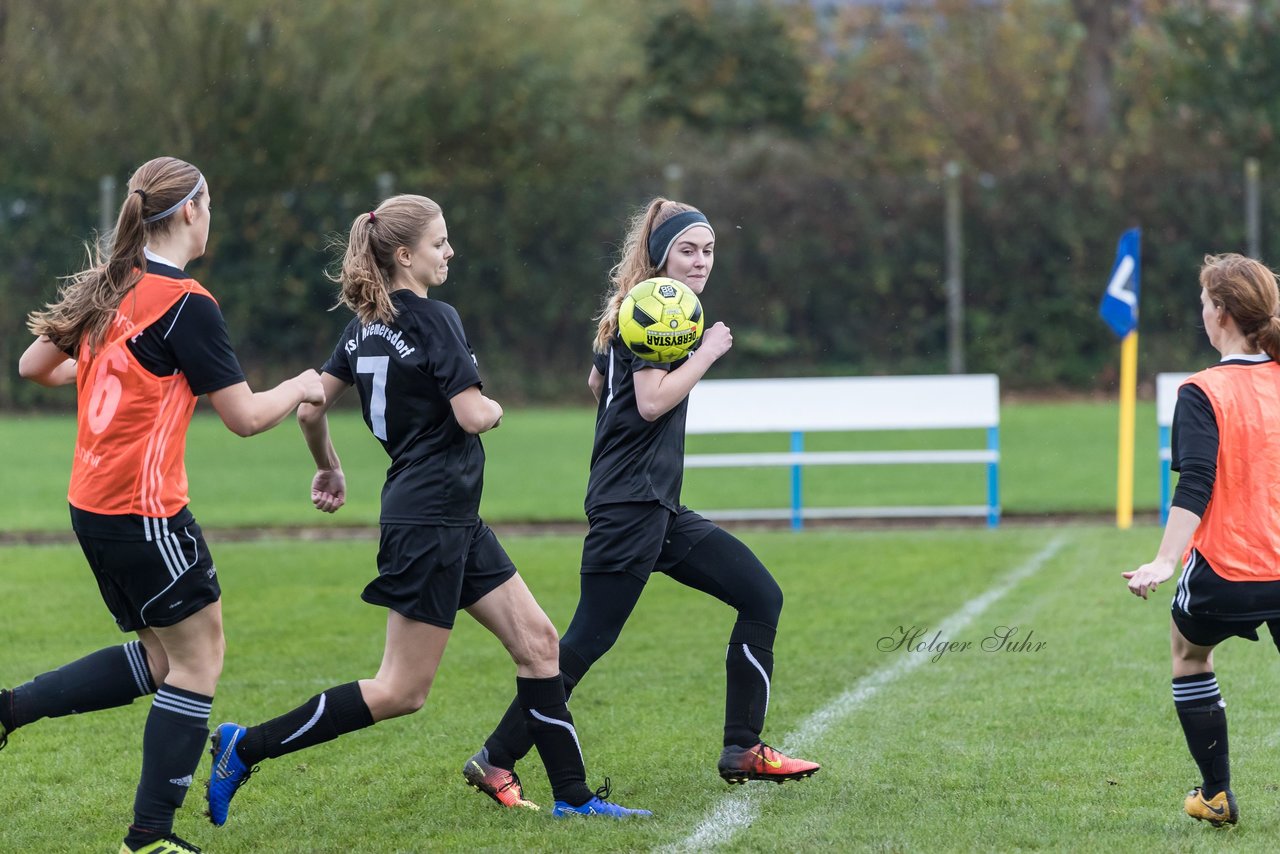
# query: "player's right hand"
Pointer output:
{"type": "Point", "coordinates": [329, 490]}
{"type": "Point", "coordinates": [312, 388]}
{"type": "Point", "coordinates": [1145, 579]}
{"type": "Point", "coordinates": [716, 341]}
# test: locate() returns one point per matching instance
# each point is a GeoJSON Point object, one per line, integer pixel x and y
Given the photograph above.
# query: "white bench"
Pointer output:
{"type": "Point", "coordinates": [802, 405]}
{"type": "Point", "coordinates": [1166, 399]}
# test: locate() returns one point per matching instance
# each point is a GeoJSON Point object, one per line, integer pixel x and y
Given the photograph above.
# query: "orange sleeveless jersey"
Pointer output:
{"type": "Point", "coordinates": [1239, 533]}
{"type": "Point", "coordinates": [132, 425]}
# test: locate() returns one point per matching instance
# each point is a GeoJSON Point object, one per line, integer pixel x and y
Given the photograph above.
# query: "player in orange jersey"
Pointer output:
{"type": "Point", "coordinates": [142, 340]}
{"type": "Point", "coordinates": [1224, 524]}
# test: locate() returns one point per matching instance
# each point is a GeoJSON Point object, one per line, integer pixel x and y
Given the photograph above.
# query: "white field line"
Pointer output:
{"type": "Point", "coordinates": [740, 809]}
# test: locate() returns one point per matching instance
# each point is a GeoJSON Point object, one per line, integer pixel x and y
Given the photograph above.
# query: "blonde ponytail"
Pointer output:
{"type": "Point", "coordinates": [369, 254]}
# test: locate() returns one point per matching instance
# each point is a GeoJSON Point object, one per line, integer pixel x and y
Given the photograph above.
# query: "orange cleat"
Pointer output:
{"type": "Point", "coordinates": [762, 762]}
{"type": "Point", "coordinates": [1219, 810]}
{"type": "Point", "coordinates": [498, 783]}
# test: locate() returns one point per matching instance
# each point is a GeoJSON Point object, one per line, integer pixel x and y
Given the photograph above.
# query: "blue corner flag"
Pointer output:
{"type": "Point", "coordinates": [1119, 306]}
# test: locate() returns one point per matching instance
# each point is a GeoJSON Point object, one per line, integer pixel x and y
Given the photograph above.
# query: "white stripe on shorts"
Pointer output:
{"type": "Point", "coordinates": [137, 659]}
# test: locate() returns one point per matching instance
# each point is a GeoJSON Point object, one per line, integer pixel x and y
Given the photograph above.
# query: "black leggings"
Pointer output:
{"type": "Point", "coordinates": [719, 565]}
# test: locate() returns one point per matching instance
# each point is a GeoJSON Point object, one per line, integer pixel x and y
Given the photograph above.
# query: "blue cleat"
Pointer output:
{"type": "Point", "coordinates": [598, 805]}
{"type": "Point", "coordinates": [228, 773]}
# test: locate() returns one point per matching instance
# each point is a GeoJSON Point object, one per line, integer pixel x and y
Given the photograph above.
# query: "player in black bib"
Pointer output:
{"type": "Point", "coordinates": [420, 392]}
{"type": "Point", "coordinates": [637, 525]}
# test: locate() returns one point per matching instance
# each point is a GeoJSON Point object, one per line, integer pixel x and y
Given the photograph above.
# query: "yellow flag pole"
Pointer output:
{"type": "Point", "coordinates": [1128, 398]}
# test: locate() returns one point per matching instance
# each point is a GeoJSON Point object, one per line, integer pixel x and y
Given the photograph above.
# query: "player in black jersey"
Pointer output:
{"type": "Point", "coordinates": [420, 392]}
{"type": "Point", "coordinates": [142, 339]}
{"type": "Point", "coordinates": [637, 525]}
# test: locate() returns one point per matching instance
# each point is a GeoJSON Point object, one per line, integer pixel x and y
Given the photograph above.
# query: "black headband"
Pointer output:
{"type": "Point", "coordinates": [662, 238]}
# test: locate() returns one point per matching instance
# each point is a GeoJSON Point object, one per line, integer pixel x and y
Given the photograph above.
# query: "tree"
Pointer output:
{"type": "Point", "coordinates": [724, 66]}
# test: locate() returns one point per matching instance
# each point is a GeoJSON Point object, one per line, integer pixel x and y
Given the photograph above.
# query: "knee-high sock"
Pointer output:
{"type": "Point", "coordinates": [604, 604]}
{"type": "Point", "coordinates": [550, 726]}
{"type": "Point", "coordinates": [1203, 715]}
{"type": "Point", "coordinates": [115, 676]}
{"type": "Point", "coordinates": [748, 668]}
{"type": "Point", "coordinates": [172, 742]}
{"type": "Point", "coordinates": [511, 741]}
{"type": "Point", "coordinates": [324, 717]}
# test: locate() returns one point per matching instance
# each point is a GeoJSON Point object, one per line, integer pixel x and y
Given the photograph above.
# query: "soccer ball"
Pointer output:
{"type": "Point", "coordinates": [660, 320]}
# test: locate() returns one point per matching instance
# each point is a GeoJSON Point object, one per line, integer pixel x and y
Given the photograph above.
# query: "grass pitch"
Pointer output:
{"type": "Point", "coordinates": [1057, 458]}
{"type": "Point", "coordinates": [1072, 745]}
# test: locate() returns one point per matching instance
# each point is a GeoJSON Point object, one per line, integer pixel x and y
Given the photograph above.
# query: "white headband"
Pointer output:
{"type": "Point", "coordinates": [188, 197]}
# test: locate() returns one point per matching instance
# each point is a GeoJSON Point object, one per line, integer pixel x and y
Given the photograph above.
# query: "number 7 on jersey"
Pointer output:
{"type": "Point", "coordinates": [377, 367]}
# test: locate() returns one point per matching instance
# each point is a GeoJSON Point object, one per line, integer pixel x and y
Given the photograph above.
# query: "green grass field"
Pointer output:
{"type": "Point", "coordinates": [1074, 746]}
{"type": "Point", "coordinates": [1071, 747]}
{"type": "Point", "coordinates": [1057, 458]}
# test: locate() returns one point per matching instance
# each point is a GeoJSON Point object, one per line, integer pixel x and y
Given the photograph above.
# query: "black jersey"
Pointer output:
{"type": "Point", "coordinates": [191, 337]}
{"type": "Point", "coordinates": [1194, 443]}
{"type": "Point", "coordinates": [406, 374]}
{"type": "Point", "coordinates": [633, 459]}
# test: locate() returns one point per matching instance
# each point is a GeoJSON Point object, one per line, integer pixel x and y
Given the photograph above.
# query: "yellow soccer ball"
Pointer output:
{"type": "Point", "coordinates": [660, 320]}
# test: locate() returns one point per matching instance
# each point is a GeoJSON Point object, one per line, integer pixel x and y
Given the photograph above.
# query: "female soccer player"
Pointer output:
{"type": "Point", "coordinates": [638, 526]}
{"type": "Point", "coordinates": [141, 339]}
{"type": "Point", "coordinates": [420, 391]}
{"type": "Point", "coordinates": [1224, 523]}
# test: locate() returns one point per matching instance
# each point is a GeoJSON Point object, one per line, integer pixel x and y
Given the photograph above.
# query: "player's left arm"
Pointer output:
{"type": "Point", "coordinates": [45, 364]}
{"type": "Point", "coordinates": [329, 485]}
{"type": "Point", "coordinates": [474, 412]}
{"type": "Point", "coordinates": [595, 382]}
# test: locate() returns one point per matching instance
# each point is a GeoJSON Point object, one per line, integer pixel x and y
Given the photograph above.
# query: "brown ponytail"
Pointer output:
{"type": "Point", "coordinates": [88, 300]}
{"type": "Point", "coordinates": [1268, 337]}
{"type": "Point", "coordinates": [369, 255]}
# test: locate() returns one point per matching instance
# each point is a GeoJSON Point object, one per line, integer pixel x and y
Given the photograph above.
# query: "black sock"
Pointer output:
{"type": "Point", "coordinates": [172, 742]}
{"type": "Point", "coordinates": [115, 676]}
{"type": "Point", "coordinates": [324, 717]}
{"type": "Point", "coordinates": [551, 727]}
{"type": "Point", "coordinates": [1203, 716]}
{"type": "Point", "coordinates": [748, 668]}
{"type": "Point", "coordinates": [511, 741]}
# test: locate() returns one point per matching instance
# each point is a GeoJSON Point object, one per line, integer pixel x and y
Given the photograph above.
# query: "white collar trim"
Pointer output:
{"type": "Point", "coordinates": [159, 259]}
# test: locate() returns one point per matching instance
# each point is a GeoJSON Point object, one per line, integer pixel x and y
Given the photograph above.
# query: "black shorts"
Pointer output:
{"type": "Point", "coordinates": [157, 582]}
{"type": "Point", "coordinates": [640, 538]}
{"type": "Point", "coordinates": [1208, 608]}
{"type": "Point", "coordinates": [428, 573]}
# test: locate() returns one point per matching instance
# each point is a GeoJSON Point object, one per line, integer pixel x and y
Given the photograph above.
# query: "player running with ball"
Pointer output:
{"type": "Point", "coordinates": [637, 525]}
